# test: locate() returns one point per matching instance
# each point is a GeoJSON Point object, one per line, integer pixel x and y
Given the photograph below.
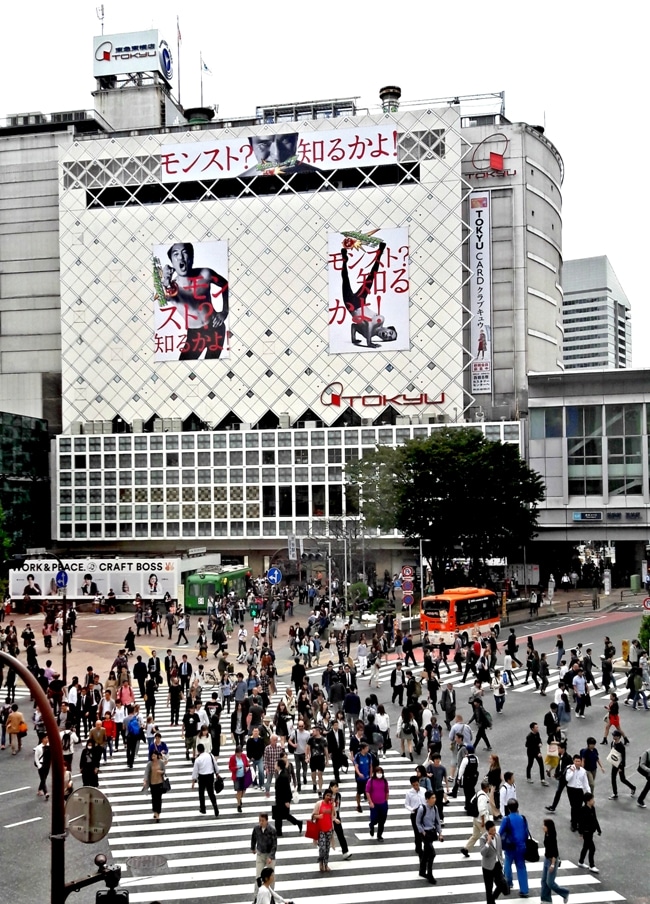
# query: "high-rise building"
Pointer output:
{"type": "Point", "coordinates": [596, 316]}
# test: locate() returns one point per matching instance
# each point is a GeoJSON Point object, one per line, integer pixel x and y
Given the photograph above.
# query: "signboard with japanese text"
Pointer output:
{"type": "Point", "coordinates": [190, 282]}
{"type": "Point", "coordinates": [278, 154]}
{"type": "Point", "coordinates": [480, 292]}
{"type": "Point", "coordinates": [121, 578]}
{"type": "Point", "coordinates": [368, 276]}
{"type": "Point", "coordinates": [138, 51]}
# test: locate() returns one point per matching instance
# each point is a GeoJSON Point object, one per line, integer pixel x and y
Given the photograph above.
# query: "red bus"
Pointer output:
{"type": "Point", "coordinates": [472, 611]}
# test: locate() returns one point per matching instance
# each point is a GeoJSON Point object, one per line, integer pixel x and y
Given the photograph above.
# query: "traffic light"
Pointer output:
{"type": "Point", "coordinates": [312, 556]}
{"type": "Point", "coordinates": [254, 610]}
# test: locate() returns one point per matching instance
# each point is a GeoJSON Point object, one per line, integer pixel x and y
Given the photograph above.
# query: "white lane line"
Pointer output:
{"type": "Point", "coordinates": [12, 825]}
{"type": "Point", "coordinates": [13, 790]}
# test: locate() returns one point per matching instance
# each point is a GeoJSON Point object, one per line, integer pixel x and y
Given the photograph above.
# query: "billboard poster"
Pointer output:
{"type": "Point", "coordinates": [190, 300]}
{"type": "Point", "coordinates": [278, 154]}
{"type": "Point", "coordinates": [480, 292]}
{"type": "Point", "coordinates": [122, 578]}
{"type": "Point", "coordinates": [137, 51]}
{"type": "Point", "coordinates": [368, 280]}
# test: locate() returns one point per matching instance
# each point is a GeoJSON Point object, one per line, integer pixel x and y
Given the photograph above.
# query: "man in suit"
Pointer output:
{"type": "Point", "coordinates": [448, 704]}
{"type": "Point", "coordinates": [398, 683]}
{"type": "Point", "coordinates": [185, 674]}
{"type": "Point", "coordinates": [336, 747]}
{"type": "Point", "coordinates": [349, 679]}
{"type": "Point", "coordinates": [491, 855]}
{"type": "Point", "coordinates": [154, 667]}
{"type": "Point", "coordinates": [169, 665]}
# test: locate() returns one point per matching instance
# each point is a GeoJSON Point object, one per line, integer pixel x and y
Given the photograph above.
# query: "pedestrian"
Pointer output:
{"type": "Point", "coordinates": [577, 785]}
{"type": "Point", "coordinates": [153, 779]}
{"type": "Point", "coordinates": [499, 691]}
{"type": "Point", "coordinates": [551, 864]}
{"type": "Point", "coordinates": [174, 700]}
{"type": "Point", "coordinates": [534, 752]}
{"type": "Point", "coordinates": [480, 812]}
{"type": "Point", "coordinates": [398, 684]}
{"type": "Point", "coordinates": [413, 800]}
{"type": "Point", "coordinates": [430, 829]}
{"type": "Point", "coordinates": [42, 761]}
{"type": "Point", "coordinates": [588, 826]}
{"type": "Point", "coordinates": [559, 650]}
{"type": "Point", "coordinates": [323, 815]}
{"type": "Point", "coordinates": [264, 844]}
{"type": "Point", "coordinates": [89, 765]}
{"type": "Point", "coordinates": [265, 895]}
{"type": "Point", "coordinates": [491, 861]}
{"type": "Point", "coordinates": [180, 627]}
{"type": "Point", "coordinates": [204, 771]}
{"type": "Point", "coordinates": [377, 794]}
{"type": "Point", "coordinates": [613, 719]}
{"type": "Point", "coordinates": [483, 722]}
{"type": "Point", "coordinates": [255, 752]}
{"type": "Point", "coordinates": [514, 833]}
{"type": "Point", "coordinates": [644, 770]}
{"type": "Point", "coordinates": [467, 775]}
{"type": "Point", "coordinates": [437, 774]}
{"type": "Point", "coordinates": [241, 775]}
{"type": "Point", "coordinates": [591, 762]}
{"type": "Point", "coordinates": [362, 770]}
{"type": "Point", "coordinates": [283, 796]}
{"type": "Point", "coordinates": [316, 756]}
{"type": "Point", "coordinates": [338, 826]}
{"type": "Point", "coordinates": [616, 759]}
{"type": "Point", "coordinates": [512, 647]}
{"type": "Point", "coordinates": [407, 731]}
{"type": "Point", "coordinates": [16, 728]}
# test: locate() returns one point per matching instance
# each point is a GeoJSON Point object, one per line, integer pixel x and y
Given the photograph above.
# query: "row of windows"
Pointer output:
{"type": "Point", "coordinates": [587, 420]}
{"type": "Point", "coordinates": [170, 529]}
{"type": "Point", "coordinates": [95, 461]}
{"type": "Point", "coordinates": [208, 476]}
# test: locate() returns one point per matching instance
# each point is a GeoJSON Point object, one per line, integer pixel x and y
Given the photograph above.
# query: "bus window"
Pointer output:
{"type": "Point", "coordinates": [194, 589]}
{"type": "Point", "coordinates": [436, 609]}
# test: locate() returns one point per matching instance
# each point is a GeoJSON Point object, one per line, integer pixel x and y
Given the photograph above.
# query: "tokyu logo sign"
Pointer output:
{"type": "Point", "coordinates": [334, 396]}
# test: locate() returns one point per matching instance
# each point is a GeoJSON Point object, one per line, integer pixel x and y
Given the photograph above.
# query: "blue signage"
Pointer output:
{"type": "Point", "coordinates": [587, 516]}
{"type": "Point", "coordinates": [61, 579]}
{"type": "Point", "coordinates": [274, 575]}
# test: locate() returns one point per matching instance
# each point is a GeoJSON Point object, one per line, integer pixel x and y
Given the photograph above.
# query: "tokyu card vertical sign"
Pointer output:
{"type": "Point", "coordinates": [480, 292]}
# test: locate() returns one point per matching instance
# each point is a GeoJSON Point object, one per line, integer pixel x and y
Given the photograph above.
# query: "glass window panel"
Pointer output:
{"type": "Point", "coordinates": [351, 454]}
{"type": "Point", "coordinates": [553, 423]}
{"type": "Point", "coordinates": [236, 475]}
{"type": "Point", "coordinates": [187, 459]}
{"type": "Point", "coordinates": [172, 460]}
{"type": "Point", "coordinates": [318, 456]}
{"type": "Point", "coordinates": [171, 441]}
{"type": "Point", "coordinates": [268, 502]}
{"type": "Point", "coordinates": [284, 438]}
{"type": "Point", "coordinates": [268, 439]}
{"type": "Point", "coordinates": [125, 443]}
{"type": "Point", "coordinates": [219, 475]}
{"type": "Point", "coordinates": [140, 460]}
{"type": "Point", "coordinates": [537, 423]}
{"type": "Point", "coordinates": [187, 441]}
{"type": "Point", "coordinates": [284, 474]}
{"type": "Point", "coordinates": [220, 459]}
{"type": "Point", "coordinates": [171, 477]}
{"type": "Point", "coordinates": [236, 458]}
{"type": "Point", "coordinates": [318, 474]}
{"type": "Point", "coordinates": [204, 475]}
{"type": "Point", "coordinates": [284, 457]}
{"type": "Point", "coordinates": [614, 420]}
{"type": "Point", "coordinates": [335, 500]}
{"type": "Point", "coordinates": [252, 439]}
{"type": "Point", "coordinates": [235, 440]}
{"type": "Point", "coordinates": [252, 475]}
{"type": "Point", "coordinates": [285, 497]}
{"type": "Point", "coordinates": [253, 492]}
{"type": "Point", "coordinates": [301, 456]}
{"type": "Point", "coordinates": [189, 476]}
{"type": "Point", "coordinates": [335, 474]}
{"type": "Point", "coordinates": [334, 456]}
{"type": "Point", "coordinates": [268, 457]}
{"type": "Point", "coordinates": [317, 438]}
{"type": "Point", "coordinates": [334, 438]}
{"type": "Point", "coordinates": [155, 442]}
{"type": "Point", "coordinates": [252, 457]}
{"type": "Point", "coordinates": [203, 459]}
{"type": "Point", "coordinates": [632, 420]}
{"type": "Point", "coordinates": [302, 501]}
{"type": "Point", "coordinates": [237, 510]}
{"type": "Point", "coordinates": [318, 500]}
{"type": "Point", "coordinates": [156, 477]}
{"type": "Point", "coordinates": [301, 438]}
{"type": "Point", "coordinates": [140, 442]}
{"type": "Point", "coordinates": [268, 475]}
{"type": "Point", "coordinates": [94, 461]}
{"type": "Point", "coordinates": [253, 528]}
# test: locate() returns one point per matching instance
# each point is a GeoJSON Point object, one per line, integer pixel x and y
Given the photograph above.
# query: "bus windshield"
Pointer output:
{"type": "Point", "coordinates": [434, 608]}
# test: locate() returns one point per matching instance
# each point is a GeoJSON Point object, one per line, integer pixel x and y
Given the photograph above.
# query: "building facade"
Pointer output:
{"type": "Point", "coordinates": [596, 315]}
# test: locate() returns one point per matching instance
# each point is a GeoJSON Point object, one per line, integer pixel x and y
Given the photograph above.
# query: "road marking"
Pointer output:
{"type": "Point", "coordinates": [13, 791]}
{"type": "Point", "coordinates": [12, 825]}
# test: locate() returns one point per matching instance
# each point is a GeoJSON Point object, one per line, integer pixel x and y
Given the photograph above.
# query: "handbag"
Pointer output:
{"type": "Point", "coordinates": [532, 849]}
{"type": "Point", "coordinates": [552, 749]}
{"type": "Point", "coordinates": [311, 830]}
{"type": "Point", "coordinates": [218, 781]}
{"type": "Point", "coordinates": [500, 880]}
{"type": "Point", "coordinates": [22, 729]}
{"type": "Point", "coordinates": [614, 758]}
{"type": "Point", "coordinates": [248, 779]}
{"type": "Point", "coordinates": [166, 785]}
{"type": "Point", "coordinates": [295, 798]}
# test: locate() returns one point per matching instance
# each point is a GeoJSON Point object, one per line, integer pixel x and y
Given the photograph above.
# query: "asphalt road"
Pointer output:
{"type": "Point", "coordinates": [374, 873]}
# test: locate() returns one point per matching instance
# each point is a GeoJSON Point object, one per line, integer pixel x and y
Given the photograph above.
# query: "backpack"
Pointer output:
{"type": "Point", "coordinates": [488, 718]}
{"type": "Point", "coordinates": [436, 737]}
{"type": "Point", "coordinates": [133, 727]}
{"type": "Point", "coordinates": [472, 807]}
{"type": "Point", "coordinates": [418, 688]}
{"type": "Point", "coordinates": [66, 741]}
{"type": "Point", "coordinates": [471, 769]}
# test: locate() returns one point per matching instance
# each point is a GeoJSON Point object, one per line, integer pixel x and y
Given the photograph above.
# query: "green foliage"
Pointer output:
{"type": "Point", "coordinates": [379, 605]}
{"type": "Point", "coordinates": [455, 489]}
{"type": "Point", "coordinates": [644, 632]}
{"type": "Point", "coordinates": [358, 591]}
{"type": "Point", "coordinates": [5, 539]}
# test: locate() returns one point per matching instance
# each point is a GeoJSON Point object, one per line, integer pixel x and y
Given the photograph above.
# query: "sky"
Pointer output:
{"type": "Point", "coordinates": [574, 67]}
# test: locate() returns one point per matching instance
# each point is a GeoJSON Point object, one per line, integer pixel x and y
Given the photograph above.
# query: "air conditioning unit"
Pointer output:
{"type": "Point", "coordinates": [177, 425]}
{"type": "Point", "coordinates": [70, 116]}
{"type": "Point", "coordinates": [108, 426]}
{"type": "Point", "coordinates": [310, 425]}
{"type": "Point", "coordinates": [76, 428]}
{"type": "Point", "coordinates": [285, 421]}
{"type": "Point", "coordinates": [138, 425]}
{"type": "Point", "coordinates": [366, 422]}
{"type": "Point", "coordinates": [402, 419]}
{"type": "Point", "coordinates": [167, 425]}
{"type": "Point", "coordinates": [98, 426]}
{"type": "Point", "coordinates": [158, 425]}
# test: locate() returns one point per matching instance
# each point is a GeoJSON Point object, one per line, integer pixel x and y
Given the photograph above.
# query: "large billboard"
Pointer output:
{"type": "Point", "coordinates": [278, 154]}
{"type": "Point", "coordinates": [151, 578]}
{"type": "Point", "coordinates": [480, 292]}
{"type": "Point", "coordinates": [190, 282]}
{"type": "Point", "coordinates": [368, 277]}
{"type": "Point", "coordinates": [138, 51]}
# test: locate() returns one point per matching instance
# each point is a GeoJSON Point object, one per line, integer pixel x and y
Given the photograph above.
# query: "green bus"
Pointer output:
{"type": "Point", "coordinates": [199, 586]}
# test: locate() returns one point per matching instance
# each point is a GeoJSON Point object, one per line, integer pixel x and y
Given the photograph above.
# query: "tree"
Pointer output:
{"type": "Point", "coordinates": [463, 494]}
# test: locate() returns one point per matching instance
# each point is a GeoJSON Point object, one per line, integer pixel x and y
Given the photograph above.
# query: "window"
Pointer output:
{"type": "Point", "coordinates": [301, 456]}
{"type": "Point", "coordinates": [302, 501]}
{"type": "Point", "coordinates": [252, 457]}
{"type": "Point", "coordinates": [335, 499]}
{"type": "Point", "coordinates": [334, 456]}
{"type": "Point", "coordinates": [285, 498]}
{"type": "Point", "coordinates": [334, 438]}
{"type": "Point", "coordinates": [318, 500]}
{"type": "Point", "coordinates": [624, 465]}
{"type": "Point", "coordinates": [268, 457]}
{"type": "Point", "coordinates": [268, 502]}
{"type": "Point", "coordinates": [545, 423]}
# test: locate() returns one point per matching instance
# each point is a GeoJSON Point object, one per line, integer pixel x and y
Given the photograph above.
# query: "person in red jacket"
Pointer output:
{"type": "Point", "coordinates": [240, 771]}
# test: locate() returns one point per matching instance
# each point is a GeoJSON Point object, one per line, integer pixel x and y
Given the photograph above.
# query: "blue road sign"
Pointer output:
{"type": "Point", "coordinates": [274, 575]}
{"type": "Point", "coordinates": [61, 579]}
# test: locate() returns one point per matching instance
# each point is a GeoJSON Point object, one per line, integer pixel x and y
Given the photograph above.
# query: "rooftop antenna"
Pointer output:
{"type": "Point", "coordinates": [100, 15]}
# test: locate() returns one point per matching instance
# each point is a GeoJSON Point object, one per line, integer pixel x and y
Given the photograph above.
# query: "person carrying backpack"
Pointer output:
{"type": "Point", "coordinates": [468, 775]}
{"type": "Point", "coordinates": [479, 810]}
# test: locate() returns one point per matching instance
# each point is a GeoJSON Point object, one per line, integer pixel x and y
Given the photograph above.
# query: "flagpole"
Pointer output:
{"type": "Point", "coordinates": [201, 62]}
{"type": "Point", "coordinates": [178, 57]}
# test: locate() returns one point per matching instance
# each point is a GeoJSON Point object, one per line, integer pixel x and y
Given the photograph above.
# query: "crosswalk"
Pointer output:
{"type": "Point", "coordinates": [187, 856]}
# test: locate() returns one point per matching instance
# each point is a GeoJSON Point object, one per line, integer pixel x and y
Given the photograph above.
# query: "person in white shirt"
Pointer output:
{"type": "Point", "coordinates": [507, 668]}
{"type": "Point", "coordinates": [265, 894]}
{"type": "Point", "coordinates": [577, 785]}
{"type": "Point", "coordinates": [507, 792]}
{"type": "Point", "coordinates": [413, 800]}
{"type": "Point", "coordinates": [204, 770]}
{"type": "Point", "coordinates": [362, 656]}
{"type": "Point", "coordinates": [478, 822]}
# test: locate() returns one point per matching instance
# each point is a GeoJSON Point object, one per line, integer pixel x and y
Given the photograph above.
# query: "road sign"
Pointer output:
{"type": "Point", "coordinates": [407, 599]}
{"type": "Point", "coordinates": [61, 579]}
{"type": "Point", "coordinates": [89, 815]}
{"type": "Point", "coordinates": [646, 602]}
{"type": "Point", "coordinates": [407, 571]}
{"type": "Point", "coordinates": [274, 575]}
{"type": "Point", "coordinates": [407, 586]}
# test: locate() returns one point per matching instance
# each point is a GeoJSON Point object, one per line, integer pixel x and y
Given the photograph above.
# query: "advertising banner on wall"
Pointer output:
{"type": "Point", "coordinates": [151, 578]}
{"type": "Point", "coordinates": [368, 278]}
{"type": "Point", "coordinates": [282, 153]}
{"type": "Point", "coordinates": [190, 301]}
{"type": "Point", "coordinates": [137, 51]}
{"type": "Point", "coordinates": [480, 289]}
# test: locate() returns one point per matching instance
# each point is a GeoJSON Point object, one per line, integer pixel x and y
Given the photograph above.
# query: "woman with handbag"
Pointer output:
{"type": "Point", "coordinates": [551, 864]}
{"type": "Point", "coordinates": [492, 863]}
{"type": "Point", "coordinates": [154, 779]}
{"type": "Point", "coordinates": [241, 775]}
{"type": "Point", "coordinates": [322, 819]}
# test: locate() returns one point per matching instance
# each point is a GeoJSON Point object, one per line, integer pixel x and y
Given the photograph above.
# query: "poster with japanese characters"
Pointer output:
{"type": "Point", "coordinates": [480, 292]}
{"type": "Point", "coordinates": [368, 276]}
{"type": "Point", "coordinates": [190, 300]}
{"type": "Point", "coordinates": [278, 154]}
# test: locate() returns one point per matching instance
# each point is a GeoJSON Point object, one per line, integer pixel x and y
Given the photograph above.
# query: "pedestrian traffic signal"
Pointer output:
{"type": "Point", "coordinates": [311, 556]}
{"type": "Point", "coordinates": [254, 610]}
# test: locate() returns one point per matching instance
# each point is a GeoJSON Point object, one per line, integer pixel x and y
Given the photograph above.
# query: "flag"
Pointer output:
{"type": "Point", "coordinates": [205, 67]}
{"type": "Point", "coordinates": [178, 30]}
